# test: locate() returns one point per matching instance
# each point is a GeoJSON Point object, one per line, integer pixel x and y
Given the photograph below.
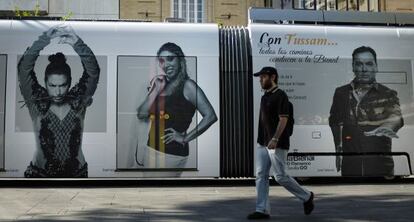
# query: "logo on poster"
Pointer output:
{"type": "Point", "coordinates": [266, 40]}
{"type": "Point", "coordinates": [299, 162]}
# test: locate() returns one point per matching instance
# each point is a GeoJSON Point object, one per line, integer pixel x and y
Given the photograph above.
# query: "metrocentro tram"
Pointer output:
{"type": "Point", "coordinates": [121, 99]}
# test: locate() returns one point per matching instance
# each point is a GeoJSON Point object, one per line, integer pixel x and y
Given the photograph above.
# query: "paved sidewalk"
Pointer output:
{"type": "Point", "coordinates": [378, 202]}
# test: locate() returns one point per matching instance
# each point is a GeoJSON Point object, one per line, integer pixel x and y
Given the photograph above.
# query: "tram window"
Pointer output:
{"type": "Point", "coordinates": [304, 4]}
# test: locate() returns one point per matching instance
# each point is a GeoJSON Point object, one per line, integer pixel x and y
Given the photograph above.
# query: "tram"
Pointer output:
{"type": "Point", "coordinates": [122, 99]}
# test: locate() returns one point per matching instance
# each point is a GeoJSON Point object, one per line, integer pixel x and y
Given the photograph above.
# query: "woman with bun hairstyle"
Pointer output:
{"type": "Point", "coordinates": [57, 110]}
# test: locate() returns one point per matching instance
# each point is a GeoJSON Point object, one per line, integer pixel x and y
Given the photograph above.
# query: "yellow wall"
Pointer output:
{"type": "Point", "coordinates": [232, 12]}
{"type": "Point", "coordinates": [153, 10]}
{"type": "Point", "coordinates": [397, 5]}
{"type": "Point", "coordinates": [226, 12]}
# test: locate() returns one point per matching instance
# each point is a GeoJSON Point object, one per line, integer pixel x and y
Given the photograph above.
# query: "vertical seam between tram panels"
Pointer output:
{"type": "Point", "coordinates": [236, 145]}
{"type": "Point", "coordinates": [228, 111]}
{"type": "Point", "coordinates": [250, 103]}
{"type": "Point", "coordinates": [239, 145]}
{"type": "Point", "coordinates": [221, 144]}
{"type": "Point", "coordinates": [243, 120]}
{"type": "Point", "coordinates": [231, 83]}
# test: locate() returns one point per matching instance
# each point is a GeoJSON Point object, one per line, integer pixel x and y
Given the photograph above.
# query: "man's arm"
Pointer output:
{"type": "Point", "coordinates": [389, 126]}
{"type": "Point", "coordinates": [283, 119]}
{"type": "Point", "coordinates": [336, 119]}
{"type": "Point", "coordinates": [282, 111]}
{"type": "Point", "coordinates": [395, 120]}
{"type": "Point", "coordinates": [29, 86]}
{"type": "Point", "coordinates": [90, 76]}
{"type": "Point", "coordinates": [88, 83]}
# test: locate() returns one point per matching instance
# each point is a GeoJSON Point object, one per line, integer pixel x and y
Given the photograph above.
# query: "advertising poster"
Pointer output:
{"type": "Point", "coordinates": [167, 110]}
{"type": "Point", "coordinates": [156, 110]}
{"type": "Point", "coordinates": [352, 91]}
{"type": "Point", "coordinates": [71, 109]}
{"type": "Point", "coordinates": [54, 95]}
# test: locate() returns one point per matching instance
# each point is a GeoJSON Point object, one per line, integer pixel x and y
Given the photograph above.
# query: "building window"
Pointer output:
{"type": "Point", "coordinates": [304, 4]}
{"type": "Point", "coordinates": [342, 5]}
{"type": "Point", "coordinates": [331, 5]}
{"type": "Point", "coordinates": [189, 10]}
{"type": "Point", "coordinates": [348, 5]}
{"type": "Point", "coordinates": [268, 3]}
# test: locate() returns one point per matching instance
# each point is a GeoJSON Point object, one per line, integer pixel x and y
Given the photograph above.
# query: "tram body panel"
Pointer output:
{"type": "Point", "coordinates": [315, 60]}
{"type": "Point", "coordinates": [127, 56]}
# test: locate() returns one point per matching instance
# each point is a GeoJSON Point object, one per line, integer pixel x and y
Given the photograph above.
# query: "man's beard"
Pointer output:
{"type": "Point", "coordinates": [266, 85]}
{"type": "Point", "coordinates": [364, 77]}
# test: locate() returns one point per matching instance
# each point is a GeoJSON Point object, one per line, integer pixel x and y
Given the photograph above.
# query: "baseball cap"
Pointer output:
{"type": "Point", "coordinates": [267, 70]}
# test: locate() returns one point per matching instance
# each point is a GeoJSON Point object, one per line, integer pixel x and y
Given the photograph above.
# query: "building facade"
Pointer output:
{"type": "Point", "coordinates": [81, 9]}
{"type": "Point", "coordinates": [77, 9]}
{"type": "Point", "coordinates": [234, 12]}
{"type": "Point", "coordinates": [225, 12]}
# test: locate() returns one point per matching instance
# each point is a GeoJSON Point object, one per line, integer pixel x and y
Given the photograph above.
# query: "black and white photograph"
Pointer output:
{"type": "Point", "coordinates": [95, 118]}
{"type": "Point", "coordinates": [352, 97]}
{"type": "Point", "coordinates": [158, 104]}
{"type": "Point", "coordinates": [364, 118]}
{"type": "Point", "coordinates": [57, 92]}
{"type": "Point", "coordinates": [77, 105]}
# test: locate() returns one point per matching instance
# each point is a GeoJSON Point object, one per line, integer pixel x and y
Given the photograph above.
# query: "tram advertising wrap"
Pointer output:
{"type": "Point", "coordinates": [128, 99]}
{"type": "Point", "coordinates": [108, 99]}
{"type": "Point", "coordinates": [352, 91]}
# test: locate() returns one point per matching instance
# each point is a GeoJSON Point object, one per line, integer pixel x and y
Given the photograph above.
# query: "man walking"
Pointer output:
{"type": "Point", "coordinates": [273, 146]}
